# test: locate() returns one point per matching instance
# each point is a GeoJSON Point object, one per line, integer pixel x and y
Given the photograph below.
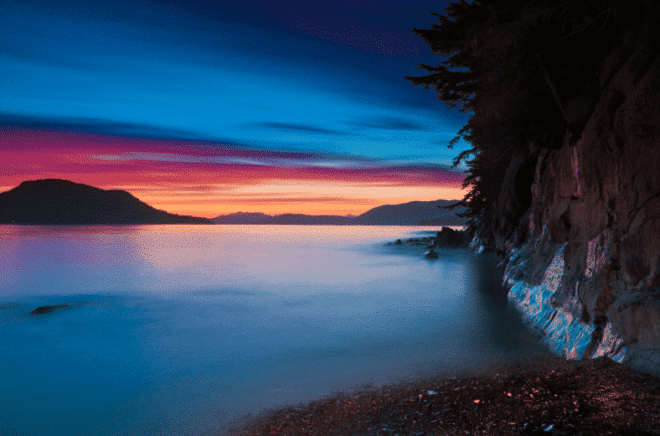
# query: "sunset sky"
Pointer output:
{"type": "Point", "coordinates": [212, 108]}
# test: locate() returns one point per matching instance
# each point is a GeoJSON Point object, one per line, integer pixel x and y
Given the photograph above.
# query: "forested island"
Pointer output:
{"type": "Point", "coordinates": [62, 202]}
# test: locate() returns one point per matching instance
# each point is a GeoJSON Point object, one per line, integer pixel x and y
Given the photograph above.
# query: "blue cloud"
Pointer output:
{"type": "Point", "coordinates": [96, 126]}
{"type": "Point", "coordinates": [237, 73]}
{"type": "Point", "coordinates": [299, 128]}
{"type": "Point", "coordinates": [392, 123]}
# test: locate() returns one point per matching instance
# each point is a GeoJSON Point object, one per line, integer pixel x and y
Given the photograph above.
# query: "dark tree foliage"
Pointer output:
{"type": "Point", "coordinates": [514, 66]}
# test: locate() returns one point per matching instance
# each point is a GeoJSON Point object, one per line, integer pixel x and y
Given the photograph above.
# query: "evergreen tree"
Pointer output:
{"type": "Point", "coordinates": [514, 66]}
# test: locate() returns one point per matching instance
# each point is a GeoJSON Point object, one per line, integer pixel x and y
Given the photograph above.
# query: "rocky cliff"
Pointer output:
{"type": "Point", "coordinates": [583, 264]}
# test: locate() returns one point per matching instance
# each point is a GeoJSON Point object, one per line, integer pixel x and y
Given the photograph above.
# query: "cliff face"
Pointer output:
{"type": "Point", "coordinates": [584, 262]}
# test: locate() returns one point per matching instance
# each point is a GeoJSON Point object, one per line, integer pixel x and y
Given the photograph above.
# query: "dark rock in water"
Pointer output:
{"type": "Point", "coordinates": [431, 254]}
{"type": "Point", "coordinates": [43, 310]}
{"type": "Point", "coordinates": [451, 238]}
{"type": "Point", "coordinates": [445, 238]}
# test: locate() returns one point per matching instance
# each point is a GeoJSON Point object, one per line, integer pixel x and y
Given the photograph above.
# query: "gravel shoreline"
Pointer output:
{"type": "Point", "coordinates": [551, 397]}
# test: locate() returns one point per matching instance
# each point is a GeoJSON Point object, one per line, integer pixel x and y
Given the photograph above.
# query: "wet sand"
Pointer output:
{"type": "Point", "coordinates": [550, 397]}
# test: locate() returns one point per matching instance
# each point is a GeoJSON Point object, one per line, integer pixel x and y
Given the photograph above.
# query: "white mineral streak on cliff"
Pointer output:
{"type": "Point", "coordinates": [476, 245]}
{"type": "Point", "coordinates": [562, 332]}
{"type": "Point", "coordinates": [610, 345]}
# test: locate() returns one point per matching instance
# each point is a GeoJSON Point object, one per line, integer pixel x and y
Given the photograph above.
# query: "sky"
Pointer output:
{"type": "Point", "coordinates": [209, 108]}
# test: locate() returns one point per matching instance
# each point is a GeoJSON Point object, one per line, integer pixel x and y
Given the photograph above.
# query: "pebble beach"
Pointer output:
{"type": "Point", "coordinates": [550, 397]}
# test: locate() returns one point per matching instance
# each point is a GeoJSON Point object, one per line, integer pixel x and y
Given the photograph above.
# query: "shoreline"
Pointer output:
{"type": "Point", "coordinates": [549, 397]}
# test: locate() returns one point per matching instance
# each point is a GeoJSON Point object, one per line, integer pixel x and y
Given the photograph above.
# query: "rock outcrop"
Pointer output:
{"type": "Point", "coordinates": [44, 310]}
{"type": "Point", "coordinates": [448, 237]}
{"type": "Point", "coordinates": [584, 262]}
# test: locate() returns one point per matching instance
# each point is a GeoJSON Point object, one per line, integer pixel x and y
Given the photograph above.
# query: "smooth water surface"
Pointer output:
{"type": "Point", "coordinates": [184, 329]}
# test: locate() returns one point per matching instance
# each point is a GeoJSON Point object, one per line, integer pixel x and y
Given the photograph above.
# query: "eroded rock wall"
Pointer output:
{"type": "Point", "coordinates": [586, 273]}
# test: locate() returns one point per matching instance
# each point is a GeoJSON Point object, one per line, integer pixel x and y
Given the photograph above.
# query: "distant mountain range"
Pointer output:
{"type": "Point", "coordinates": [55, 201]}
{"type": "Point", "coordinates": [413, 213]}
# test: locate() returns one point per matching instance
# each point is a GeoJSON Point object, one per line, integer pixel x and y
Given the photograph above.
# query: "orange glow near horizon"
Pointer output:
{"type": "Point", "coordinates": [278, 199]}
{"type": "Point", "coordinates": [208, 180]}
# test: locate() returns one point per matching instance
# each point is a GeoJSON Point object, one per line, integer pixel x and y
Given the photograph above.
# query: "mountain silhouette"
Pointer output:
{"type": "Point", "coordinates": [413, 213]}
{"type": "Point", "coordinates": [406, 214]}
{"type": "Point", "coordinates": [244, 218]}
{"type": "Point", "coordinates": [56, 201]}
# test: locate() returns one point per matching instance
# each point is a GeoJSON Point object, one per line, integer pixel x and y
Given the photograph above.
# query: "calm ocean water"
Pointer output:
{"type": "Point", "coordinates": [183, 329]}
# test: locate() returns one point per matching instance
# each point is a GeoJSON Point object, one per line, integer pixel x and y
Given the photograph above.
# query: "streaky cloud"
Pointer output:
{"type": "Point", "coordinates": [391, 123]}
{"type": "Point", "coordinates": [96, 126]}
{"type": "Point", "coordinates": [250, 158]}
{"type": "Point", "coordinates": [300, 128]}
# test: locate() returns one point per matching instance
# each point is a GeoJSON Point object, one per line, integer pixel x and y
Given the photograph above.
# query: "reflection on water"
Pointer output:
{"type": "Point", "coordinates": [181, 329]}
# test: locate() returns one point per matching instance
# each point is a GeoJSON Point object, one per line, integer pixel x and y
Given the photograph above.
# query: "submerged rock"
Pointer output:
{"type": "Point", "coordinates": [43, 310]}
{"type": "Point", "coordinates": [431, 254]}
